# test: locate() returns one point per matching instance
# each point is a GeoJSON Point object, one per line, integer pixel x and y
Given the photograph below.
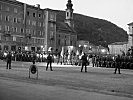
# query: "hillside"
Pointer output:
{"type": "Point", "coordinates": [95, 30]}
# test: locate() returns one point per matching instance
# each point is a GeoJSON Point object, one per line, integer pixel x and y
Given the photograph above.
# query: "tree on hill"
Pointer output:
{"type": "Point", "coordinates": [93, 29]}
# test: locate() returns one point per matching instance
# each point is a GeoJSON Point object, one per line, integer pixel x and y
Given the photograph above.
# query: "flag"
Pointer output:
{"type": "Point", "coordinates": [62, 52]}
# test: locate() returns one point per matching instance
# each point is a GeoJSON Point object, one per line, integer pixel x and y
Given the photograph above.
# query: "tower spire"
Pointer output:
{"type": "Point", "coordinates": [69, 4]}
{"type": "Point", "coordinates": [69, 14]}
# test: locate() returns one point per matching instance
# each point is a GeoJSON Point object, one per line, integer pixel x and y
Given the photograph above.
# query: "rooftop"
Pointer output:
{"type": "Point", "coordinates": [130, 23]}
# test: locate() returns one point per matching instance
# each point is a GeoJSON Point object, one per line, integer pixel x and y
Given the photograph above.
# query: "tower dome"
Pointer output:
{"type": "Point", "coordinates": [69, 4]}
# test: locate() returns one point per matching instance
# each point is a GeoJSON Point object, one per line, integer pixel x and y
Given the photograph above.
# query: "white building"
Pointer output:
{"type": "Point", "coordinates": [118, 47]}
{"type": "Point", "coordinates": [85, 46]}
{"type": "Point", "coordinates": [130, 35]}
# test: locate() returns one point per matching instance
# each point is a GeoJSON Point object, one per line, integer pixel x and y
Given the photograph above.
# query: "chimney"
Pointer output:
{"type": "Point", "coordinates": [38, 5]}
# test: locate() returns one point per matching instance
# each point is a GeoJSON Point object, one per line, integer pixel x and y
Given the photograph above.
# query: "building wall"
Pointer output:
{"type": "Point", "coordinates": [35, 26]}
{"type": "Point", "coordinates": [117, 49]}
{"type": "Point", "coordinates": [9, 13]}
{"type": "Point", "coordinates": [85, 46]}
{"type": "Point", "coordinates": [30, 26]}
{"type": "Point", "coordinates": [73, 40]}
{"type": "Point", "coordinates": [63, 39]}
{"type": "Point", "coordinates": [130, 36]}
{"type": "Point", "coordinates": [50, 28]}
{"type": "Point", "coordinates": [15, 20]}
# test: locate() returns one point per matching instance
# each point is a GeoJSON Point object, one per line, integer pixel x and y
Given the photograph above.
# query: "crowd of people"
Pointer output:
{"type": "Point", "coordinates": [26, 56]}
{"type": "Point", "coordinates": [108, 61]}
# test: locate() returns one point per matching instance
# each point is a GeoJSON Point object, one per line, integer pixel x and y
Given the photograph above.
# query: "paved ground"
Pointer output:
{"type": "Point", "coordinates": [66, 82]}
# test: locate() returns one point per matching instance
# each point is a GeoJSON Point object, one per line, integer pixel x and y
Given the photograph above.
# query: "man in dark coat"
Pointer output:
{"type": "Point", "coordinates": [118, 64]}
{"type": "Point", "coordinates": [49, 62]}
{"type": "Point", "coordinates": [84, 62]}
{"type": "Point", "coordinates": [8, 59]}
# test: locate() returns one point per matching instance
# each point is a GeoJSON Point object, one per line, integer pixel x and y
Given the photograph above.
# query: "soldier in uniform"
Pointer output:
{"type": "Point", "coordinates": [84, 62]}
{"type": "Point", "coordinates": [118, 64]}
{"type": "Point", "coordinates": [8, 59]}
{"type": "Point", "coordinates": [93, 61]}
{"type": "Point", "coordinates": [49, 62]}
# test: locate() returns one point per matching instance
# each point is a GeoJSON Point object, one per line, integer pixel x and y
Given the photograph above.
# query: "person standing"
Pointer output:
{"type": "Point", "coordinates": [58, 58]}
{"type": "Point", "coordinates": [118, 64]}
{"type": "Point", "coordinates": [93, 61]}
{"type": "Point", "coordinates": [84, 62]}
{"type": "Point", "coordinates": [9, 60]}
{"type": "Point", "coordinates": [49, 62]}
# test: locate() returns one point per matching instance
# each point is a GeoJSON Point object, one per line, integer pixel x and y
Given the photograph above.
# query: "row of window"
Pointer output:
{"type": "Point", "coordinates": [6, 8]}
{"type": "Point", "coordinates": [14, 48]}
{"type": "Point", "coordinates": [22, 39]}
{"type": "Point", "coordinates": [15, 29]}
{"type": "Point", "coordinates": [65, 37]}
{"type": "Point", "coordinates": [15, 20]}
{"type": "Point", "coordinates": [130, 29]}
{"type": "Point", "coordinates": [15, 10]}
{"type": "Point", "coordinates": [34, 14]}
{"type": "Point", "coordinates": [62, 40]}
{"type": "Point", "coordinates": [20, 20]}
{"type": "Point", "coordinates": [65, 42]}
{"type": "Point", "coordinates": [52, 15]}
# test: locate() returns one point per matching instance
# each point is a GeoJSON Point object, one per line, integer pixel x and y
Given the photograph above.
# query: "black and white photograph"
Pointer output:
{"type": "Point", "coordinates": [66, 50]}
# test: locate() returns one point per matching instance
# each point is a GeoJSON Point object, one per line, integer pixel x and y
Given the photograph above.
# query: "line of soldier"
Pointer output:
{"type": "Point", "coordinates": [126, 62]}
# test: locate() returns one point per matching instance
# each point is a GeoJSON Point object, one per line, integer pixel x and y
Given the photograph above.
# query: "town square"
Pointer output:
{"type": "Point", "coordinates": [65, 54]}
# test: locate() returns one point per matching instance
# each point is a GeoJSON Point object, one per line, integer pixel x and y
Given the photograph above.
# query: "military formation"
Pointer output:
{"type": "Point", "coordinates": [108, 61]}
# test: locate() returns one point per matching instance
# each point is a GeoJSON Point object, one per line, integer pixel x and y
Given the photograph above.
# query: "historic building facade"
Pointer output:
{"type": "Point", "coordinates": [130, 35]}
{"type": "Point", "coordinates": [27, 27]}
{"type": "Point", "coordinates": [21, 26]}
{"type": "Point", "coordinates": [65, 34]}
{"type": "Point", "coordinates": [120, 47]}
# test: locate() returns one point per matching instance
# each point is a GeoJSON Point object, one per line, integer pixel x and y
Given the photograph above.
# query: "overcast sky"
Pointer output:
{"type": "Point", "coordinates": [119, 12]}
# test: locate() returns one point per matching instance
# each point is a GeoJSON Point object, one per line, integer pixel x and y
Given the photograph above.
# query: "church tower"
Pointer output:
{"type": "Point", "coordinates": [69, 14]}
